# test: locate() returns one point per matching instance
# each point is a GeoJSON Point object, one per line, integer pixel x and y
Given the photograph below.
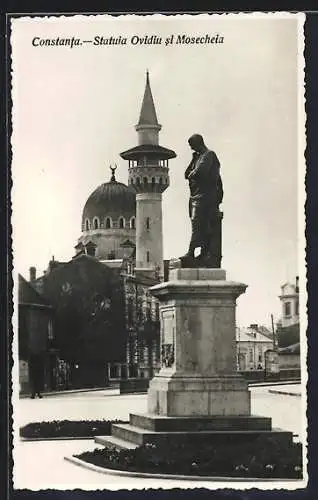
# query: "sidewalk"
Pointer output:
{"type": "Point", "coordinates": [73, 391]}
{"type": "Point", "coordinates": [289, 391]}
{"type": "Point", "coordinates": [115, 387]}
{"type": "Point", "coordinates": [274, 383]}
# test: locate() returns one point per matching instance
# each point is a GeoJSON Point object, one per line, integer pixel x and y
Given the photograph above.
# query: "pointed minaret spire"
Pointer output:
{"type": "Point", "coordinates": [148, 165]}
{"type": "Point", "coordinates": [148, 126]}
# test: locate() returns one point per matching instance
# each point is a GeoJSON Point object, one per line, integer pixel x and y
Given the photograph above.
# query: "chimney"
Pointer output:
{"type": "Point", "coordinates": [32, 272]}
{"type": "Point", "coordinates": [254, 326]}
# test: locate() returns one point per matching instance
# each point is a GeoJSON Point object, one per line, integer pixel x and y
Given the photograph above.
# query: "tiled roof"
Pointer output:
{"type": "Point", "coordinates": [251, 335]}
{"type": "Point", "coordinates": [28, 295]}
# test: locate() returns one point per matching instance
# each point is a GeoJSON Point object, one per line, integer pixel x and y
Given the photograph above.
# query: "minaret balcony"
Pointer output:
{"type": "Point", "coordinates": [149, 179]}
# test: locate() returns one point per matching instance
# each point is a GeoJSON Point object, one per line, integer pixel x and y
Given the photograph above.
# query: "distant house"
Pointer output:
{"type": "Point", "coordinates": [251, 345]}
{"type": "Point", "coordinates": [36, 334]}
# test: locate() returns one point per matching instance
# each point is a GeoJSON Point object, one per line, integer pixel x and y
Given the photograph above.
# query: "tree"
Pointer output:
{"type": "Point", "coordinates": [288, 335]}
{"type": "Point", "coordinates": [88, 300]}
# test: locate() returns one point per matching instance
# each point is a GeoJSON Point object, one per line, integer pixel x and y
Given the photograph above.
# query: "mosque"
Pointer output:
{"type": "Point", "coordinates": [100, 321]}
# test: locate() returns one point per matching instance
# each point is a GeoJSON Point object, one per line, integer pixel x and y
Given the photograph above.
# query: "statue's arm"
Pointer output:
{"type": "Point", "coordinates": [202, 165]}
{"type": "Point", "coordinates": [188, 170]}
{"type": "Point", "coordinates": [190, 167]}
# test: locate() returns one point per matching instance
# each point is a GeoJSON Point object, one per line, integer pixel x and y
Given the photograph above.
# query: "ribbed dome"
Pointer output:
{"type": "Point", "coordinates": [112, 199]}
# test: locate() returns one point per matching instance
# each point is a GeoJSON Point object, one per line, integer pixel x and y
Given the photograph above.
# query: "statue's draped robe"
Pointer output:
{"type": "Point", "coordinates": [206, 193]}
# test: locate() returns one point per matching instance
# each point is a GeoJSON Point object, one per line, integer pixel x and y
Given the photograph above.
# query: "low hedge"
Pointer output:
{"type": "Point", "coordinates": [262, 458]}
{"type": "Point", "coordinates": [68, 428]}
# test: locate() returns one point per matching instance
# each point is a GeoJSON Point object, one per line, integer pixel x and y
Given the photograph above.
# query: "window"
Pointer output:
{"type": "Point", "coordinates": [87, 225]}
{"type": "Point", "coordinates": [148, 256]}
{"type": "Point", "coordinates": [148, 310]}
{"type": "Point", "coordinates": [251, 355]}
{"type": "Point", "coordinates": [132, 223]}
{"type": "Point", "coordinates": [297, 308]}
{"type": "Point", "coordinates": [145, 180]}
{"type": "Point", "coordinates": [157, 311]}
{"type": "Point", "coordinates": [141, 352]}
{"type": "Point", "coordinates": [153, 180]}
{"type": "Point", "coordinates": [50, 330]}
{"type": "Point", "coordinates": [130, 306]}
{"type": "Point", "coordinates": [138, 181]}
{"type": "Point", "coordinates": [148, 223]}
{"type": "Point", "coordinates": [160, 180]}
{"type": "Point", "coordinates": [287, 309]}
{"type": "Point", "coordinates": [108, 223]}
{"type": "Point", "coordinates": [96, 223]}
{"type": "Point", "coordinates": [121, 222]}
{"type": "Point", "coordinates": [139, 314]}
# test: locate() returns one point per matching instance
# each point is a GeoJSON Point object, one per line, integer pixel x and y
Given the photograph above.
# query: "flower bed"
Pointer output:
{"type": "Point", "coordinates": [68, 429]}
{"type": "Point", "coordinates": [258, 459]}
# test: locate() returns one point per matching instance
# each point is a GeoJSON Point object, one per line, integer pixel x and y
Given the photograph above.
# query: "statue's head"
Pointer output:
{"type": "Point", "coordinates": [196, 142]}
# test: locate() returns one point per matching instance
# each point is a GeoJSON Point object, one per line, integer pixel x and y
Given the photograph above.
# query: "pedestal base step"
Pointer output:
{"type": "Point", "coordinates": [139, 436]}
{"type": "Point", "coordinates": [159, 423]}
{"type": "Point", "coordinates": [113, 442]}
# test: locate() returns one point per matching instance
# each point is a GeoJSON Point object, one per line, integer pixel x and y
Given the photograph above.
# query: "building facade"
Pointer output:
{"type": "Point", "coordinates": [36, 338]}
{"type": "Point", "coordinates": [252, 343]}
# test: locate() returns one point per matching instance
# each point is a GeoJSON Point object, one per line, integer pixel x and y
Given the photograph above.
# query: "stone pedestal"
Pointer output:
{"type": "Point", "coordinates": [198, 347]}
{"type": "Point", "coordinates": [197, 396]}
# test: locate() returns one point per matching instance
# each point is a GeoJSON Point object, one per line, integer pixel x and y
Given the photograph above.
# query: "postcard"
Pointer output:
{"type": "Point", "coordinates": [158, 237]}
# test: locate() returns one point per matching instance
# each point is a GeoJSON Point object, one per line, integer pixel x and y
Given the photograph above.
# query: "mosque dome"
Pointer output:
{"type": "Point", "coordinates": [108, 205]}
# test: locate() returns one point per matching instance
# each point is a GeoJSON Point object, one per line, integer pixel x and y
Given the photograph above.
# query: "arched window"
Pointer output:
{"type": "Point", "coordinates": [138, 181]}
{"type": "Point", "coordinates": [130, 311]}
{"type": "Point", "coordinates": [108, 223]}
{"type": "Point", "coordinates": [87, 225]}
{"type": "Point", "coordinates": [132, 180]}
{"type": "Point", "coordinates": [133, 223]}
{"type": "Point", "coordinates": [153, 180]}
{"type": "Point", "coordinates": [160, 180]}
{"type": "Point", "coordinates": [96, 223]}
{"type": "Point", "coordinates": [148, 223]}
{"type": "Point", "coordinates": [145, 180]}
{"type": "Point", "coordinates": [121, 222]}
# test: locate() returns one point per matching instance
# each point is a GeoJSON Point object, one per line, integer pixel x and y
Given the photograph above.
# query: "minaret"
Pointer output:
{"type": "Point", "coordinates": [149, 175]}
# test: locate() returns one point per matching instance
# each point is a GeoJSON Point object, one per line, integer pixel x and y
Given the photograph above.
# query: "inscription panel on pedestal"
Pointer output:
{"type": "Point", "coordinates": [167, 337]}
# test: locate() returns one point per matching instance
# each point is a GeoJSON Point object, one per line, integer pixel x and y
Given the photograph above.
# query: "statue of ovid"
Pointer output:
{"type": "Point", "coordinates": [206, 194]}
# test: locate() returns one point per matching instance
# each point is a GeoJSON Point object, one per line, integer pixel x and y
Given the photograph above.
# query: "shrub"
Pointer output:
{"type": "Point", "coordinates": [68, 428]}
{"type": "Point", "coordinates": [262, 458]}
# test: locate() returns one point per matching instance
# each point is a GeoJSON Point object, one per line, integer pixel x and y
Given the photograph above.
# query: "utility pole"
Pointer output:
{"type": "Point", "coordinates": [274, 334]}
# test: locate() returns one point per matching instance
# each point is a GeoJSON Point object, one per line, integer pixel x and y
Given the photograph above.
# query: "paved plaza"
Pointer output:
{"type": "Point", "coordinates": [40, 465]}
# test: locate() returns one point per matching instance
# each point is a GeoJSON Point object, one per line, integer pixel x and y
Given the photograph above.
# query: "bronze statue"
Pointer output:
{"type": "Point", "coordinates": [206, 194]}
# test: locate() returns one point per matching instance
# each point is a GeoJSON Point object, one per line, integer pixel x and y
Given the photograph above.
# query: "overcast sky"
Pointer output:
{"type": "Point", "coordinates": [74, 111]}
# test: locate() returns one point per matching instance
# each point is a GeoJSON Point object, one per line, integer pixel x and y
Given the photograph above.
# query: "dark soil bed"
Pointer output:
{"type": "Point", "coordinates": [259, 459]}
{"type": "Point", "coordinates": [68, 428]}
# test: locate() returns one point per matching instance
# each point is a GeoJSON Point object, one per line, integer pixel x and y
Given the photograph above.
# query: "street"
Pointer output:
{"type": "Point", "coordinates": [40, 465]}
